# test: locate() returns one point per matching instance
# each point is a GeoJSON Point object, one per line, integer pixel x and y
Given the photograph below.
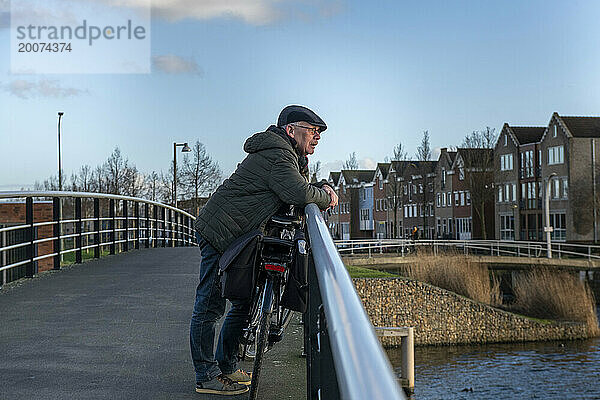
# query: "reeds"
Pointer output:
{"type": "Point", "coordinates": [456, 273]}
{"type": "Point", "coordinates": [556, 295]}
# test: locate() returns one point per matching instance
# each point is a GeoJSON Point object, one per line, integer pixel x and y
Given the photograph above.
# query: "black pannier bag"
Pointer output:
{"type": "Point", "coordinates": [238, 266]}
{"type": "Point", "coordinates": [295, 295]}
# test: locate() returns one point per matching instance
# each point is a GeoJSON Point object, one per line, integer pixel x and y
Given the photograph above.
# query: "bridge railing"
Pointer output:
{"type": "Point", "coordinates": [480, 247]}
{"type": "Point", "coordinates": [41, 227]}
{"type": "Point", "coordinates": [344, 357]}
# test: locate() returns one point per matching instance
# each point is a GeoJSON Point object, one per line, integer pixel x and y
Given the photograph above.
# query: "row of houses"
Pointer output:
{"type": "Point", "coordinates": [481, 193]}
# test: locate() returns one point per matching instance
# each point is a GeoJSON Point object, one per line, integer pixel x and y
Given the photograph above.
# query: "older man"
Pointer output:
{"type": "Point", "coordinates": [274, 173]}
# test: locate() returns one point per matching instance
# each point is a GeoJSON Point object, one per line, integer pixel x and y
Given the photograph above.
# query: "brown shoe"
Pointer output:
{"type": "Point", "coordinates": [221, 385]}
{"type": "Point", "coordinates": [240, 376]}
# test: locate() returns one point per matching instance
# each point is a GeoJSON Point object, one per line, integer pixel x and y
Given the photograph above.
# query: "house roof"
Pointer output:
{"type": "Point", "coordinates": [418, 166]}
{"type": "Point", "coordinates": [528, 134]}
{"type": "Point", "coordinates": [353, 176]}
{"type": "Point", "coordinates": [583, 127]}
{"type": "Point", "coordinates": [384, 168]}
{"type": "Point", "coordinates": [335, 177]}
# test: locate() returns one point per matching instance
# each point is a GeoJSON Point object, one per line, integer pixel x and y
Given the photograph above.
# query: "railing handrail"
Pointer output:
{"type": "Point", "coordinates": [362, 368]}
{"type": "Point", "coordinates": [33, 193]}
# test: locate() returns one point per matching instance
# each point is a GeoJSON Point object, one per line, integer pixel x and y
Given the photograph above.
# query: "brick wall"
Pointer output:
{"type": "Point", "coordinates": [441, 317]}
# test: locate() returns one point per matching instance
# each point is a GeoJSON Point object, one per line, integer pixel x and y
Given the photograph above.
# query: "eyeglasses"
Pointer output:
{"type": "Point", "coordinates": [314, 131]}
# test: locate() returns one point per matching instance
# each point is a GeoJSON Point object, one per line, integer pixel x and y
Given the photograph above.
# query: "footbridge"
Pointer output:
{"type": "Point", "coordinates": [97, 293]}
{"type": "Point", "coordinates": [500, 255]}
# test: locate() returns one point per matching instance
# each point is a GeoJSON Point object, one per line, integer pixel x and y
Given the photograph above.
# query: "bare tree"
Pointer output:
{"type": "Point", "coordinates": [98, 179]}
{"type": "Point", "coordinates": [200, 174]}
{"type": "Point", "coordinates": [82, 180]}
{"type": "Point", "coordinates": [116, 167]}
{"type": "Point", "coordinates": [165, 193]}
{"type": "Point", "coordinates": [315, 171]}
{"type": "Point", "coordinates": [133, 182]}
{"type": "Point", "coordinates": [152, 185]}
{"type": "Point", "coordinates": [351, 162]}
{"type": "Point", "coordinates": [393, 187]}
{"type": "Point", "coordinates": [478, 164]}
{"type": "Point", "coordinates": [424, 149]}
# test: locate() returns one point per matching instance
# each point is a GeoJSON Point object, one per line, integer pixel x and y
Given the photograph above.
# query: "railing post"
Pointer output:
{"type": "Point", "coordinates": [163, 217]}
{"type": "Point", "coordinates": [171, 228]}
{"type": "Point", "coordinates": [3, 257]}
{"type": "Point", "coordinates": [589, 253]}
{"type": "Point", "coordinates": [30, 267]}
{"type": "Point", "coordinates": [155, 215]}
{"type": "Point", "coordinates": [97, 234]}
{"type": "Point", "coordinates": [136, 211]}
{"type": "Point", "coordinates": [529, 249]}
{"type": "Point", "coordinates": [559, 252]}
{"type": "Point", "coordinates": [78, 258]}
{"type": "Point", "coordinates": [148, 225]}
{"type": "Point", "coordinates": [56, 230]}
{"type": "Point", "coordinates": [113, 226]}
{"type": "Point", "coordinates": [408, 360]}
{"type": "Point", "coordinates": [126, 222]}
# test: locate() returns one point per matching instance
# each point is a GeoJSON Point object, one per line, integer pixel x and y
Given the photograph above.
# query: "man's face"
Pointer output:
{"type": "Point", "coordinates": [307, 137]}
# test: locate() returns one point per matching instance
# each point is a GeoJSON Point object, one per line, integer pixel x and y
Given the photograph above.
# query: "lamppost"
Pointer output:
{"type": "Point", "coordinates": [185, 149]}
{"type": "Point", "coordinates": [548, 229]}
{"type": "Point", "coordinates": [60, 114]}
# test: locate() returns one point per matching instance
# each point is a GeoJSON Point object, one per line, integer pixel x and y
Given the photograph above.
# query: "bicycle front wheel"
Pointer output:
{"type": "Point", "coordinates": [261, 337]}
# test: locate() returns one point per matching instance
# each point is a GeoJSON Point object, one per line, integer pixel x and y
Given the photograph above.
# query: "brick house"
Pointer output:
{"type": "Point", "coordinates": [395, 198]}
{"type": "Point", "coordinates": [570, 155]}
{"type": "Point", "coordinates": [444, 214]}
{"type": "Point", "coordinates": [356, 198]}
{"type": "Point", "coordinates": [381, 213]}
{"type": "Point", "coordinates": [472, 194]}
{"type": "Point", "coordinates": [333, 216]}
{"type": "Point", "coordinates": [418, 197]}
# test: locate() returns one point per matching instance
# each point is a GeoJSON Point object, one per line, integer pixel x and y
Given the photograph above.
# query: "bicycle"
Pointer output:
{"type": "Point", "coordinates": [268, 318]}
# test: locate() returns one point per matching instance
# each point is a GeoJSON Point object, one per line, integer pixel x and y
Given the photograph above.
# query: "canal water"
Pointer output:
{"type": "Point", "coordinates": [541, 370]}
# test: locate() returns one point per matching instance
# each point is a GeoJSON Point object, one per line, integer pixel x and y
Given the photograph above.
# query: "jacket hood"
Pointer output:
{"type": "Point", "coordinates": [272, 138]}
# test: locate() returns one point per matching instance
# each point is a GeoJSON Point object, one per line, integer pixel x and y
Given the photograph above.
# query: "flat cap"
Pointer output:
{"type": "Point", "coordinates": [294, 113]}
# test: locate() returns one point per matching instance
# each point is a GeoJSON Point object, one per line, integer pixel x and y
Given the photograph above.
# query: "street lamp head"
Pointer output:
{"type": "Point", "coordinates": [186, 148]}
{"type": "Point", "coordinates": [60, 113]}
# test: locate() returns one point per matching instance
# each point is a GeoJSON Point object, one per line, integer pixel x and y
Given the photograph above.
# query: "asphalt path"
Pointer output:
{"type": "Point", "coordinates": [118, 328]}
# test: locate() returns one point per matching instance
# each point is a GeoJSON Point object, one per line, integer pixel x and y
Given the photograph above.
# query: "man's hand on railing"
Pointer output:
{"type": "Point", "coordinates": [332, 195]}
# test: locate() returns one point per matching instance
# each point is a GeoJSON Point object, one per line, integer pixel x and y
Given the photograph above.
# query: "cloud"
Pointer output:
{"type": "Point", "coordinates": [172, 64]}
{"type": "Point", "coordinates": [255, 12]}
{"type": "Point", "coordinates": [43, 88]}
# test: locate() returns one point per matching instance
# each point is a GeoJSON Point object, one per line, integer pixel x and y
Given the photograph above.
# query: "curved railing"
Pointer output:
{"type": "Point", "coordinates": [344, 357]}
{"type": "Point", "coordinates": [38, 228]}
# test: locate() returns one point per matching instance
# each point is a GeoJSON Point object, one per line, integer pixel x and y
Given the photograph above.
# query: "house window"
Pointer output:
{"type": "Point", "coordinates": [514, 192]}
{"type": "Point", "coordinates": [439, 200]}
{"type": "Point", "coordinates": [443, 199]}
{"type": "Point", "coordinates": [565, 190]}
{"type": "Point", "coordinates": [558, 222]}
{"type": "Point", "coordinates": [414, 189]}
{"type": "Point", "coordinates": [507, 227]}
{"type": "Point", "coordinates": [405, 212]}
{"type": "Point", "coordinates": [456, 199]}
{"type": "Point", "coordinates": [500, 194]}
{"type": "Point", "coordinates": [506, 162]}
{"type": "Point", "coordinates": [462, 198]}
{"type": "Point", "coordinates": [443, 177]}
{"type": "Point", "coordinates": [555, 131]}
{"type": "Point", "coordinates": [555, 155]}
{"type": "Point", "coordinates": [420, 188]}
{"type": "Point", "coordinates": [556, 185]}
{"type": "Point", "coordinates": [461, 173]}
{"type": "Point", "coordinates": [415, 210]}
{"type": "Point", "coordinates": [404, 188]}
{"type": "Point", "coordinates": [468, 198]}
{"type": "Point", "coordinates": [380, 184]}
{"type": "Point", "coordinates": [506, 140]}
{"type": "Point", "coordinates": [507, 192]}
{"type": "Point", "coordinates": [449, 199]}
{"type": "Point", "coordinates": [523, 190]}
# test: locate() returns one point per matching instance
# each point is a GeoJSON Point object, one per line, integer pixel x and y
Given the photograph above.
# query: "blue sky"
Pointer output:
{"type": "Point", "coordinates": [379, 73]}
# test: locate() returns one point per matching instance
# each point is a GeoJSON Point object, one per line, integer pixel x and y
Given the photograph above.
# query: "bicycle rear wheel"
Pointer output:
{"type": "Point", "coordinates": [261, 337]}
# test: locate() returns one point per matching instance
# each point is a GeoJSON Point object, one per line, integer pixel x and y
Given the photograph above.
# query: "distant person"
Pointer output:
{"type": "Point", "coordinates": [274, 173]}
{"type": "Point", "coordinates": [415, 233]}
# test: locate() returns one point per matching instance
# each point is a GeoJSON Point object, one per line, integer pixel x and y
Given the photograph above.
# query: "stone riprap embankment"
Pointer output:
{"type": "Point", "coordinates": [441, 317]}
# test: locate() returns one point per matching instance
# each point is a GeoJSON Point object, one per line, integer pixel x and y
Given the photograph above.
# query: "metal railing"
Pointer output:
{"type": "Point", "coordinates": [96, 222]}
{"type": "Point", "coordinates": [406, 247]}
{"type": "Point", "coordinates": [344, 357]}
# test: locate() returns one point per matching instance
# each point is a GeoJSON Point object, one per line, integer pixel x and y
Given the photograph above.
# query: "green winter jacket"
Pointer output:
{"type": "Point", "coordinates": [268, 178]}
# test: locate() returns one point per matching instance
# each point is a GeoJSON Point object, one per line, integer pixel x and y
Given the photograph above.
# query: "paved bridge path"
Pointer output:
{"type": "Point", "coordinates": [118, 328]}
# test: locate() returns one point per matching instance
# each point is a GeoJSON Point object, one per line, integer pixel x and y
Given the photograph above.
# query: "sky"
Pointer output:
{"type": "Point", "coordinates": [379, 73]}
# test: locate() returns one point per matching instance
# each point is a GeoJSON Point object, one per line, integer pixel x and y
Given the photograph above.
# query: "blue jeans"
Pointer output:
{"type": "Point", "coordinates": [209, 307]}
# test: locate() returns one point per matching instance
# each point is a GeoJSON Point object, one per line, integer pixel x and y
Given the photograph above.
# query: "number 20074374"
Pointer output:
{"type": "Point", "coordinates": [43, 47]}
